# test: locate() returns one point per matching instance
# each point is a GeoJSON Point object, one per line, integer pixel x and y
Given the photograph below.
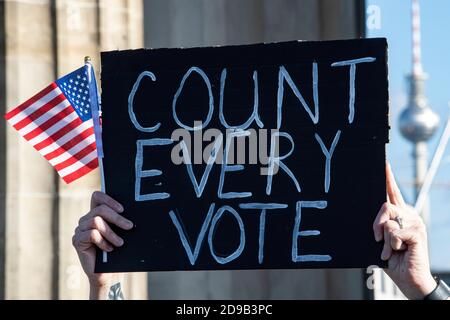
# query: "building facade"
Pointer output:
{"type": "Point", "coordinates": [41, 40]}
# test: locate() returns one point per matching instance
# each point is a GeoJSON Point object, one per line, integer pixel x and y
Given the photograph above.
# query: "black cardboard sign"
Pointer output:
{"type": "Point", "coordinates": [307, 201]}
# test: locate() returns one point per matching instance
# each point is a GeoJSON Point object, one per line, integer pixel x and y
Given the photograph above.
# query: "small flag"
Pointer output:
{"type": "Point", "coordinates": [58, 123]}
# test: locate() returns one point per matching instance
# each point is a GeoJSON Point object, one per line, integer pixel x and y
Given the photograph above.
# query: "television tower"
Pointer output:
{"type": "Point", "coordinates": [418, 122]}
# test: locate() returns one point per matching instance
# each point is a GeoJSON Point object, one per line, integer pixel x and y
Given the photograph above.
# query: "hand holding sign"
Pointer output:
{"type": "Point", "coordinates": [93, 231]}
{"type": "Point", "coordinates": [405, 243]}
{"type": "Point", "coordinates": [406, 247]}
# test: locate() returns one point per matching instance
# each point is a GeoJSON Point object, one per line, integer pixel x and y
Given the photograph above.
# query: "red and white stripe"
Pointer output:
{"type": "Point", "coordinates": [52, 126]}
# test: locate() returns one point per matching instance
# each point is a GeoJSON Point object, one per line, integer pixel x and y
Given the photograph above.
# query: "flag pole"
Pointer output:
{"type": "Point", "coordinates": [96, 119]}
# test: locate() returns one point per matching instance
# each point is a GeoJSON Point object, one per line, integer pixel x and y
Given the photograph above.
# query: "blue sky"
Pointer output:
{"type": "Point", "coordinates": [396, 27]}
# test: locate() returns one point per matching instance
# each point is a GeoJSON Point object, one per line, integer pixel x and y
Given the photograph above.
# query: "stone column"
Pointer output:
{"type": "Point", "coordinates": [28, 67]}
{"type": "Point", "coordinates": [2, 153]}
{"type": "Point", "coordinates": [40, 41]}
{"type": "Point", "coordinates": [292, 20]}
{"type": "Point", "coordinates": [76, 36]}
{"type": "Point", "coordinates": [86, 28]}
{"type": "Point", "coordinates": [342, 19]}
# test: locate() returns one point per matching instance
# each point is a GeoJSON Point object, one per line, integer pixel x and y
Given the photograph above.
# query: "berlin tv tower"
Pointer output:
{"type": "Point", "coordinates": [418, 122]}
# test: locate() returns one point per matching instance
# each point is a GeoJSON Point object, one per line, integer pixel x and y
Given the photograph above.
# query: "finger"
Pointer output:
{"type": "Point", "coordinates": [109, 215]}
{"type": "Point", "coordinates": [386, 213]}
{"type": "Point", "coordinates": [396, 243]}
{"type": "Point", "coordinates": [389, 227]}
{"type": "Point", "coordinates": [409, 236]}
{"type": "Point", "coordinates": [105, 230]}
{"type": "Point", "coordinates": [99, 198]}
{"type": "Point", "coordinates": [393, 191]}
{"type": "Point", "coordinates": [93, 237]}
{"type": "Point", "coordinates": [76, 238]}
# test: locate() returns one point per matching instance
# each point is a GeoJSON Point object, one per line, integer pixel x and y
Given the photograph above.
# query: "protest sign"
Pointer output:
{"type": "Point", "coordinates": [246, 157]}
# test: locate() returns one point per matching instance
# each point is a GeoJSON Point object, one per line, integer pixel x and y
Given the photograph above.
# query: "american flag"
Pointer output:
{"type": "Point", "coordinates": [58, 123]}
